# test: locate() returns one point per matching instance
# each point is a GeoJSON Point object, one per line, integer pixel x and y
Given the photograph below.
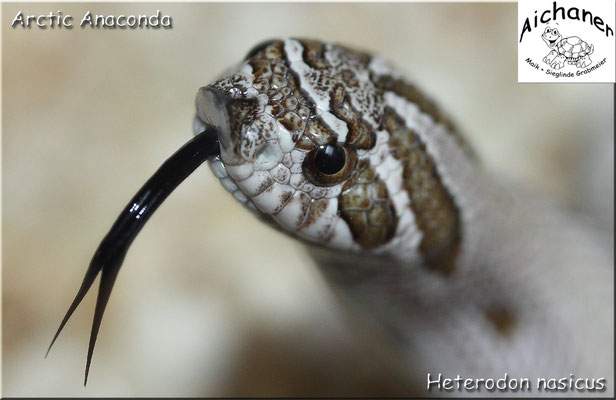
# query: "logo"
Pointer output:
{"type": "Point", "coordinates": [571, 50]}
{"type": "Point", "coordinates": [566, 41]}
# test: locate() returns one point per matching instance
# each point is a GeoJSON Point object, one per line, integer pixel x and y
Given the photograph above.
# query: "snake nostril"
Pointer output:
{"type": "Point", "coordinates": [268, 156]}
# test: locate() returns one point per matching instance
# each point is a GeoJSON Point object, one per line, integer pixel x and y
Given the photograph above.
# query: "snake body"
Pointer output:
{"type": "Point", "coordinates": [470, 274]}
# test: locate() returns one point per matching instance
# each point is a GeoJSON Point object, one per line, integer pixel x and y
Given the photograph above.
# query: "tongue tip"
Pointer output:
{"type": "Point", "coordinates": [110, 253]}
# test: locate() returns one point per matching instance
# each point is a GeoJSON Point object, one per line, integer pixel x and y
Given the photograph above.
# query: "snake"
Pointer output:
{"type": "Point", "coordinates": [470, 275]}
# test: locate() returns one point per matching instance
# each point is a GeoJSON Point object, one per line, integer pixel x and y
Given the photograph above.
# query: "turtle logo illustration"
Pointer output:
{"type": "Point", "coordinates": [571, 50]}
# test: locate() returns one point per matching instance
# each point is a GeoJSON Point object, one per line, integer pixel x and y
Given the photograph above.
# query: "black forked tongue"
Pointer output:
{"type": "Point", "coordinates": [110, 253]}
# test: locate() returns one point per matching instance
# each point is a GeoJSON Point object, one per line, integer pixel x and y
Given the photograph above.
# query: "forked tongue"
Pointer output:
{"type": "Point", "coordinates": [111, 251]}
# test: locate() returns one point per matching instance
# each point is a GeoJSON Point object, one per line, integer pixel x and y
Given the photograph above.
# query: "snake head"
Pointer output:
{"type": "Point", "coordinates": [299, 143]}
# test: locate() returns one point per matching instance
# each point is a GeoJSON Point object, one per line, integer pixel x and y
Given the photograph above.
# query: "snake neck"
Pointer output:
{"type": "Point", "coordinates": [529, 278]}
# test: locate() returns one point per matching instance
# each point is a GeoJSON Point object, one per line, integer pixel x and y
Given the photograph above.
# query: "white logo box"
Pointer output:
{"type": "Point", "coordinates": [564, 41]}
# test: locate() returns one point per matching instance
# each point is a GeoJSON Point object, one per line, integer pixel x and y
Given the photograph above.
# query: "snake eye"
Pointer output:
{"type": "Point", "coordinates": [330, 164]}
{"type": "Point", "coordinates": [329, 159]}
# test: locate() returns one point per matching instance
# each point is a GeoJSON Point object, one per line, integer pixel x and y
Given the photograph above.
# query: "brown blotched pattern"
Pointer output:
{"type": "Point", "coordinates": [503, 319]}
{"type": "Point", "coordinates": [360, 134]}
{"type": "Point", "coordinates": [272, 77]}
{"type": "Point", "coordinates": [318, 133]}
{"type": "Point", "coordinates": [313, 54]}
{"type": "Point", "coordinates": [412, 94]}
{"type": "Point", "coordinates": [367, 209]}
{"type": "Point", "coordinates": [436, 214]}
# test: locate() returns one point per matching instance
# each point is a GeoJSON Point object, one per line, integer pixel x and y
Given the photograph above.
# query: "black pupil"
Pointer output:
{"type": "Point", "coordinates": [330, 159]}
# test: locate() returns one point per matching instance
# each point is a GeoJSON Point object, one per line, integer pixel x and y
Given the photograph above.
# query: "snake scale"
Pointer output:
{"type": "Point", "coordinates": [467, 273]}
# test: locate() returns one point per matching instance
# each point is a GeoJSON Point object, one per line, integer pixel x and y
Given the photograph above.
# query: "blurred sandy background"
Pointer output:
{"type": "Point", "coordinates": [211, 302]}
